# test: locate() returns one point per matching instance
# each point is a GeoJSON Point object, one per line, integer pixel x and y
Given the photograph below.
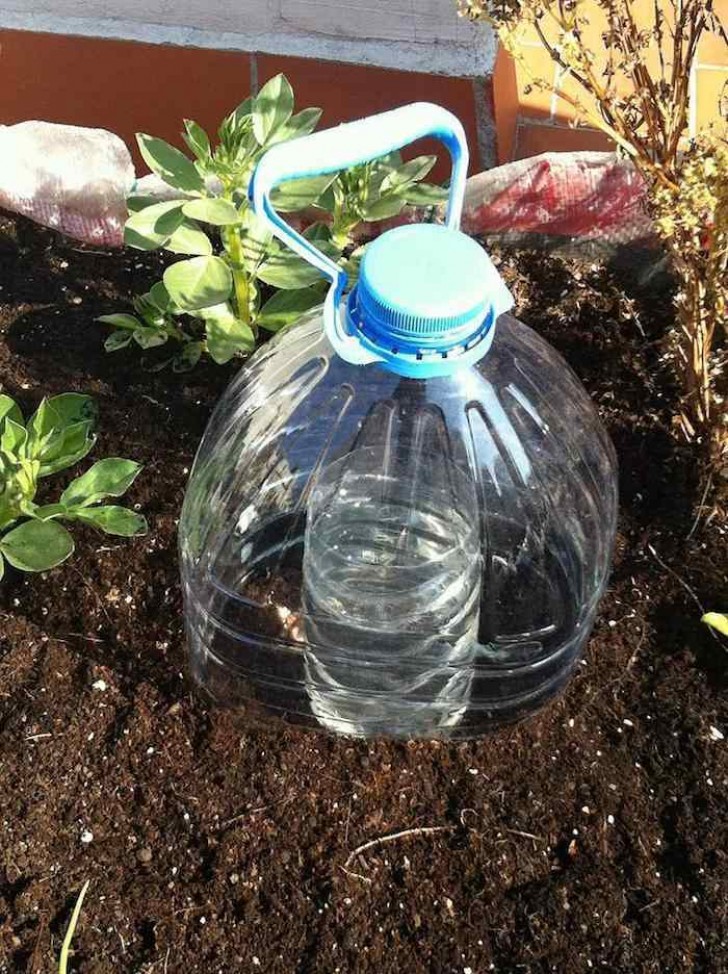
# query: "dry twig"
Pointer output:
{"type": "Point", "coordinates": [636, 89]}
{"type": "Point", "coordinates": [386, 839]}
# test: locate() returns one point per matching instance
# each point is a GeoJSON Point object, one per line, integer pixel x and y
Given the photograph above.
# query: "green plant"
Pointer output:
{"type": "Point", "coordinates": [377, 190]}
{"type": "Point", "coordinates": [72, 923]}
{"type": "Point", "coordinates": [717, 621]}
{"type": "Point", "coordinates": [58, 435]}
{"type": "Point", "coordinates": [692, 218]}
{"type": "Point", "coordinates": [237, 278]}
{"type": "Point", "coordinates": [635, 87]}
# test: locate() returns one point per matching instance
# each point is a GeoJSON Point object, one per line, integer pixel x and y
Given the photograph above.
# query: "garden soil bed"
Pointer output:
{"type": "Point", "coordinates": [592, 837]}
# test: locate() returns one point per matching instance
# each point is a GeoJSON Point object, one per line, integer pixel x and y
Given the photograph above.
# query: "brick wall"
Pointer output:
{"type": "Point", "coordinates": [100, 71]}
{"type": "Point", "coordinates": [128, 87]}
{"type": "Point", "coordinates": [530, 120]}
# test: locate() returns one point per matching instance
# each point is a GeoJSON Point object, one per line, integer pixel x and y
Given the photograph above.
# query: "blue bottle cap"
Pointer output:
{"type": "Point", "coordinates": [427, 300]}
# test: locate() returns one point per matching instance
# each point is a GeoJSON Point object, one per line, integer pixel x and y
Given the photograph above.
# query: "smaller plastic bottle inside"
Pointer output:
{"type": "Point", "coordinates": [391, 592]}
{"type": "Point", "coordinates": [401, 517]}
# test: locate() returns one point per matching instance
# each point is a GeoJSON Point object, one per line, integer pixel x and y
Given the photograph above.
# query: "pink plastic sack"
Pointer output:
{"type": "Point", "coordinates": [585, 196]}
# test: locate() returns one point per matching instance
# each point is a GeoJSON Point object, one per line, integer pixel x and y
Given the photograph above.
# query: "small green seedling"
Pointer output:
{"type": "Point", "coordinates": [374, 191]}
{"type": "Point", "coordinates": [717, 621]}
{"type": "Point", "coordinates": [59, 434]}
{"type": "Point", "coordinates": [72, 923]}
{"type": "Point", "coordinates": [236, 278]}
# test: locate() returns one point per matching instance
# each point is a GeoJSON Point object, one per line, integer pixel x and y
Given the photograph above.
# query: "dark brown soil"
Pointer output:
{"type": "Point", "coordinates": [593, 837]}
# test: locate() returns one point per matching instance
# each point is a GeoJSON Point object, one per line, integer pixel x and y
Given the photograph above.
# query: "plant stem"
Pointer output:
{"type": "Point", "coordinates": [341, 236]}
{"type": "Point", "coordinates": [234, 247]}
{"type": "Point", "coordinates": [173, 331]}
{"type": "Point", "coordinates": [344, 217]}
{"type": "Point", "coordinates": [67, 940]}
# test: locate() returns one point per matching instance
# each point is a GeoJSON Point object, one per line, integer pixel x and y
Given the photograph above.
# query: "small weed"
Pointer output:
{"type": "Point", "coordinates": [66, 948]}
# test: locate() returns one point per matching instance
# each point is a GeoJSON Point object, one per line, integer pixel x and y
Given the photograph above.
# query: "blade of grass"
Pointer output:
{"type": "Point", "coordinates": [66, 948]}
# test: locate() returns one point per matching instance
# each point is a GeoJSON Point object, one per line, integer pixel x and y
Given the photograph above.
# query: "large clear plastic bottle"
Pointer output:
{"type": "Point", "coordinates": [401, 517]}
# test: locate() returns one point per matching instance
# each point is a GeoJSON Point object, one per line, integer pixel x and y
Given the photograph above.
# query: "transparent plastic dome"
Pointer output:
{"type": "Point", "coordinates": [401, 517]}
{"type": "Point", "coordinates": [384, 555]}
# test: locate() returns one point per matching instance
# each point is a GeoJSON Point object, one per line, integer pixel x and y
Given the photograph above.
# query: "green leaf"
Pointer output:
{"type": "Point", "coordinates": [218, 212]}
{"type": "Point", "coordinates": [170, 164]}
{"type": "Point", "coordinates": [382, 209]}
{"type": "Point", "coordinates": [16, 490]}
{"type": "Point", "coordinates": [6, 518]}
{"type": "Point", "coordinates": [189, 239]}
{"type": "Point", "coordinates": [198, 282]}
{"type": "Point", "coordinates": [288, 271]}
{"type": "Point", "coordinates": [168, 216]}
{"type": "Point", "coordinates": [9, 408]}
{"type": "Point", "coordinates": [392, 160]}
{"type": "Point", "coordinates": [717, 621]}
{"type": "Point", "coordinates": [272, 107]}
{"type": "Point", "coordinates": [327, 200]}
{"type": "Point", "coordinates": [318, 232]}
{"type": "Point", "coordinates": [60, 412]}
{"type": "Point", "coordinates": [222, 313]}
{"type": "Point", "coordinates": [136, 203]}
{"type": "Point", "coordinates": [237, 140]}
{"type": "Point", "coordinates": [70, 446]}
{"type": "Point", "coordinates": [2, 567]}
{"type": "Point", "coordinates": [149, 312]}
{"type": "Point", "coordinates": [243, 110]}
{"type": "Point", "coordinates": [159, 296]}
{"type": "Point", "coordinates": [150, 337]}
{"type": "Point", "coordinates": [153, 226]}
{"type": "Point", "coordinates": [37, 546]}
{"type": "Point", "coordinates": [256, 239]}
{"type": "Point", "coordinates": [296, 194]}
{"type": "Point", "coordinates": [226, 336]}
{"type": "Point", "coordinates": [47, 511]}
{"type": "Point", "coordinates": [219, 349]}
{"type": "Point", "coordinates": [70, 408]}
{"type": "Point", "coordinates": [196, 139]}
{"type": "Point", "coordinates": [285, 306]}
{"type": "Point", "coordinates": [425, 194]}
{"type": "Point", "coordinates": [406, 174]}
{"type": "Point", "coordinates": [60, 431]}
{"type": "Point", "coordinates": [303, 123]}
{"type": "Point", "coordinates": [113, 520]}
{"type": "Point", "coordinates": [188, 357]}
{"type": "Point", "coordinates": [111, 477]}
{"type": "Point", "coordinates": [321, 235]}
{"type": "Point", "coordinates": [138, 241]}
{"type": "Point", "coordinates": [13, 436]}
{"type": "Point", "coordinates": [117, 340]}
{"type": "Point", "coordinates": [121, 321]}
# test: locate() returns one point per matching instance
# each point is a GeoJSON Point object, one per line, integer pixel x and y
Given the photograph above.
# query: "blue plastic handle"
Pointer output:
{"type": "Point", "coordinates": [338, 148]}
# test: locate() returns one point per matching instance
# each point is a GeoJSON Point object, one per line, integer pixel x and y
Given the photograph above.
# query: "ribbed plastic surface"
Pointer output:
{"type": "Point", "coordinates": [381, 555]}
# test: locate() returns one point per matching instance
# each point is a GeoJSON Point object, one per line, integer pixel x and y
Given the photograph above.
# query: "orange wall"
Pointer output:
{"type": "Point", "coordinates": [124, 87]}
{"type": "Point", "coordinates": [129, 87]}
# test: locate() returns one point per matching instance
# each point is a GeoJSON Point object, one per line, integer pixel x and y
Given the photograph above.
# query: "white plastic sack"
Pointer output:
{"type": "Point", "coordinates": [72, 179]}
